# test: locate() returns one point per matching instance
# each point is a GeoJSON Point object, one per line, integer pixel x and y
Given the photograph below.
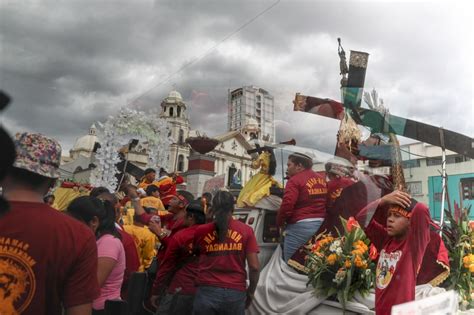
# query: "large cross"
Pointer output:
{"type": "Point", "coordinates": [352, 90]}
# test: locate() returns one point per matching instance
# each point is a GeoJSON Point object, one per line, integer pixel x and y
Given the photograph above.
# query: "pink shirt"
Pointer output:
{"type": "Point", "coordinates": [111, 247]}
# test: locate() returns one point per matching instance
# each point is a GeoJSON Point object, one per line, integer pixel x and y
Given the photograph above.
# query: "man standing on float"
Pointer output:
{"type": "Point", "coordinates": [304, 203]}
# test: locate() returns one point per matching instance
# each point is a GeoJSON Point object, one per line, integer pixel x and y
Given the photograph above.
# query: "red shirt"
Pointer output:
{"type": "Point", "coordinates": [179, 267]}
{"type": "Point", "coordinates": [304, 198]}
{"type": "Point", "coordinates": [132, 262]}
{"type": "Point", "coordinates": [51, 257]}
{"type": "Point", "coordinates": [173, 225]}
{"type": "Point", "coordinates": [223, 264]}
{"type": "Point", "coordinates": [167, 188]}
{"type": "Point", "coordinates": [399, 260]}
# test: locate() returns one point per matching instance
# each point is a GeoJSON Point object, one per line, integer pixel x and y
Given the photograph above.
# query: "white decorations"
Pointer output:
{"type": "Point", "coordinates": [118, 131]}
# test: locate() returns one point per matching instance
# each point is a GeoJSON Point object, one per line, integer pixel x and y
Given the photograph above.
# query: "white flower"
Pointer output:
{"type": "Point", "coordinates": [339, 251]}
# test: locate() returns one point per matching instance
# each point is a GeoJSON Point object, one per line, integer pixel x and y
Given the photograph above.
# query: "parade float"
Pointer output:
{"type": "Point", "coordinates": [334, 271]}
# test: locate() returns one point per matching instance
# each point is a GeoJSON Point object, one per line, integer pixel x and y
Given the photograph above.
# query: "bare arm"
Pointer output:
{"type": "Point", "coordinates": [83, 309]}
{"type": "Point", "coordinates": [105, 267]}
{"type": "Point", "coordinates": [254, 274]}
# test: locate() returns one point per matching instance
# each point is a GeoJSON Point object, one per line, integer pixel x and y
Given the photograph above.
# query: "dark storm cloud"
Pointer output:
{"type": "Point", "coordinates": [70, 63]}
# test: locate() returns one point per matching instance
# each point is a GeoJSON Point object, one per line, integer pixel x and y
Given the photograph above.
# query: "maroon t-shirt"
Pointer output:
{"type": "Point", "coordinates": [180, 266]}
{"type": "Point", "coordinates": [132, 261]}
{"type": "Point", "coordinates": [399, 260]}
{"type": "Point", "coordinates": [304, 198]}
{"type": "Point", "coordinates": [223, 264]}
{"type": "Point", "coordinates": [46, 258]}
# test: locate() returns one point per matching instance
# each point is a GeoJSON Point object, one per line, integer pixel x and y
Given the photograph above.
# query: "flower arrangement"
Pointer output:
{"type": "Point", "coordinates": [343, 265]}
{"type": "Point", "coordinates": [458, 236]}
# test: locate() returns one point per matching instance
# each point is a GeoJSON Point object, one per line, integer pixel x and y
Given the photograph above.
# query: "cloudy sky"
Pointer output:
{"type": "Point", "coordinates": [69, 63]}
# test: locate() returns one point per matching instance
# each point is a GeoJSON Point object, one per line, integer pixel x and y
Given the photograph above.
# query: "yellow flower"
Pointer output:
{"type": "Point", "coordinates": [471, 268]}
{"type": "Point", "coordinates": [466, 260]}
{"type": "Point", "coordinates": [331, 259]}
{"type": "Point", "coordinates": [357, 252]}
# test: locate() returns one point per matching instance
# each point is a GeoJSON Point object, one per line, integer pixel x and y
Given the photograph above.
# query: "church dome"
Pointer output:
{"type": "Point", "coordinates": [86, 143]}
{"type": "Point", "coordinates": [175, 95]}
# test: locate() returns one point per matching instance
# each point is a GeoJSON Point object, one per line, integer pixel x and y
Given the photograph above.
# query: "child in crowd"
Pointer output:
{"type": "Point", "coordinates": [401, 244]}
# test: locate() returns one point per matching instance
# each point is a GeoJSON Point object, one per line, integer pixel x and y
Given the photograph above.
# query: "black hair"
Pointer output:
{"type": "Point", "coordinates": [151, 189]}
{"type": "Point", "coordinates": [85, 208]}
{"type": "Point", "coordinates": [30, 179]}
{"type": "Point", "coordinates": [163, 171]}
{"type": "Point", "coordinates": [96, 191]}
{"type": "Point", "coordinates": [222, 206]}
{"type": "Point", "coordinates": [149, 170]}
{"type": "Point", "coordinates": [273, 164]}
{"type": "Point", "coordinates": [186, 194]}
{"type": "Point", "coordinates": [195, 210]}
{"type": "Point", "coordinates": [208, 197]}
{"type": "Point", "coordinates": [302, 160]}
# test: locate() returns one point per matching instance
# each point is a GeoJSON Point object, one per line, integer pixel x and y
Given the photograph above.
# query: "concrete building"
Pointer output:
{"type": "Point", "coordinates": [252, 102]}
{"type": "Point", "coordinates": [422, 167]}
{"type": "Point", "coordinates": [174, 110]}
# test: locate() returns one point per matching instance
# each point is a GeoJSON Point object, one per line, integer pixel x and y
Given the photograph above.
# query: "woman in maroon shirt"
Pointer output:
{"type": "Point", "coordinates": [224, 247]}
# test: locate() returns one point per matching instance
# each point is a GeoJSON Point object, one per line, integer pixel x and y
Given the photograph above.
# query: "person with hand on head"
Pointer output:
{"type": "Point", "coordinates": [99, 216]}
{"type": "Point", "coordinates": [225, 247]}
{"type": "Point", "coordinates": [401, 245]}
{"type": "Point", "coordinates": [42, 249]}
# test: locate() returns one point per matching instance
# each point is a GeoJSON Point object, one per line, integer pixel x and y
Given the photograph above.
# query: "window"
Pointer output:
{"type": "Point", "coordinates": [415, 188]}
{"type": "Point", "coordinates": [180, 163]}
{"type": "Point", "coordinates": [171, 111]}
{"type": "Point", "coordinates": [411, 163]}
{"type": "Point", "coordinates": [467, 186]}
{"type": "Point", "coordinates": [433, 161]}
{"type": "Point", "coordinates": [178, 110]}
{"type": "Point", "coordinates": [271, 232]}
{"type": "Point", "coordinates": [181, 136]}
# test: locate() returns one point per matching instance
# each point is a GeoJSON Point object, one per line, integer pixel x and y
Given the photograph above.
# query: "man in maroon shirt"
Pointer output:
{"type": "Point", "coordinates": [174, 287]}
{"type": "Point", "coordinates": [47, 260]}
{"type": "Point", "coordinates": [401, 244]}
{"type": "Point", "coordinates": [303, 207]}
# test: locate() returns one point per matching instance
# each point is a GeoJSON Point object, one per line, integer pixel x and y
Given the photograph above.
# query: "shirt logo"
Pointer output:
{"type": "Point", "coordinates": [386, 268]}
{"type": "Point", "coordinates": [233, 242]}
{"type": "Point", "coordinates": [17, 280]}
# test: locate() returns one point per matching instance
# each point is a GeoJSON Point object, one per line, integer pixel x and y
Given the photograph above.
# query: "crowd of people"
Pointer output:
{"type": "Point", "coordinates": [197, 256]}
{"type": "Point", "coordinates": [193, 251]}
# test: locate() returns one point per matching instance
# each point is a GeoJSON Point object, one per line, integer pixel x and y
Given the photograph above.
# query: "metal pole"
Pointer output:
{"type": "Point", "coordinates": [282, 169]}
{"type": "Point", "coordinates": [443, 184]}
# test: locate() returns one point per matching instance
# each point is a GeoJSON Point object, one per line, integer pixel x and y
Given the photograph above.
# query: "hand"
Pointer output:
{"type": "Point", "coordinates": [155, 227]}
{"type": "Point", "coordinates": [397, 197]}
{"type": "Point", "coordinates": [249, 299]}
{"type": "Point", "coordinates": [154, 300]}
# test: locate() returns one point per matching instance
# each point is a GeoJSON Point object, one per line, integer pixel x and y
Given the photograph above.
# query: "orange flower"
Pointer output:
{"type": "Point", "coordinates": [331, 259]}
{"type": "Point", "coordinates": [373, 252]}
{"type": "Point", "coordinates": [359, 263]}
{"type": "Point", "coordinates": [347, 264]}
{"type": "Point", "coordinates": [357, 252]}
{"type": "Point", "coordinates": [351, 224]}
{"type": "Point", "coordinates": [360, 246]}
